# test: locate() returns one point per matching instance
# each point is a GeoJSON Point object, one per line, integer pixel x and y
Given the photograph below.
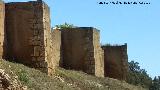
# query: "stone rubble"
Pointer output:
{"type": "Point", "coordinates": [6, 83]}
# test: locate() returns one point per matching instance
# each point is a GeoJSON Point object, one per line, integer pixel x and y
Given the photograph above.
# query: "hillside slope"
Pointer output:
{"type": "Point", "coordinates": [62, 80]}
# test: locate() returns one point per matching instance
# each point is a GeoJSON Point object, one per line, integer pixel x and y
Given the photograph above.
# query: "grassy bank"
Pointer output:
{"type": "Point", "coordinates": [62, 80]}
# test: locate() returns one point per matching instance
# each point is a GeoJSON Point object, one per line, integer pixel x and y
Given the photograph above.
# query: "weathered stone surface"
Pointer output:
{"type": "Point", "coordinates": [48, 43]}
{"type": "Point", "coordinates": [28, 39]}
{"type": "Point", "coordinates": [56, 42]}
{"type": "Point", "coordinates": [98, 54]}
{"type": "Point", "coordinates": [80, 48]}
{"type": "Point", "coordinates": [2, 32]}
{"type": "Point", "coordinates": [116, 61]}
{"type": "Point", "coordinates": [29, 34]}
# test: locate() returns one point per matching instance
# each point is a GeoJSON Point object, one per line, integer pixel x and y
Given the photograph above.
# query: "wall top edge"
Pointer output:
{"type": "Point", "coordinates": [78, 28]}
{"type": "Point", "coordinates": [38, 1]}
{"type": "Point", "coordinates": [116, 45]}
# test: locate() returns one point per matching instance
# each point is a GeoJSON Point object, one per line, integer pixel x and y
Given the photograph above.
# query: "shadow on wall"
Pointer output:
{"type": "Point", "coordinates": [116, 61]}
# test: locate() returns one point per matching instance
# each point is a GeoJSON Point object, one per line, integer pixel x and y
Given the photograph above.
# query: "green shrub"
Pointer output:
{"type": "Point", "coordinates": [64, 26]}
{"type": "Point", "coordinates": [22, 75]}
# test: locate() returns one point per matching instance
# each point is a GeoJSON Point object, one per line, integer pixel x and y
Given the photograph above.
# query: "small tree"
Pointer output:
{"type": "Point", "coordinates": [138, 76]}
{"type": "Point", "coordinates": [155, 84]}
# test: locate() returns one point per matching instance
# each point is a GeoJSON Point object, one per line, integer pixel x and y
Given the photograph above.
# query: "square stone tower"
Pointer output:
{"type": "Point", "coordinates": [116, 61]}
{"type": "Point", "coordinates": [29, 34]}
{"type": "Point", "coordinates": [81, 50]}
{"type": "Point", "coordinates": [2, 32]}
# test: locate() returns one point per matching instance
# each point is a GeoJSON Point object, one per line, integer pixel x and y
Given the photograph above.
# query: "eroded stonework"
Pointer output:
{"type": "Point", "coordinates": [56, 42]}
{"type": "Point", "coordinates": [2, 33]}
{"type": "Point", "coordinates": [26, 37]}
{"type": "Point", "coordinates": [28, 33]}
{"type": "Point", "coordinates": [81, 50]}
{"type": "Point", "coordinates": [116, 61]}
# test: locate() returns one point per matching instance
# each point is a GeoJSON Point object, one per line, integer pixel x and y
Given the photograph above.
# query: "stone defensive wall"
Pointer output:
{"type": "Point", "coordinates": [116, 61]}
{"type": "Point", "coordinates": [26, 37]}
{"type": "Point", "coordinates": [56, 48]}
{"type": "Point", "coordinates": [81, 50]}
{"type": "Point", "coordinates": [28, 34]}
{"type": "Point", "coordinates": [2, 33]}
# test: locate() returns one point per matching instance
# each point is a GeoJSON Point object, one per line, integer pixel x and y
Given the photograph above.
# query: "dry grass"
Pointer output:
{"type": "Point", "coordinates": [62, 80]}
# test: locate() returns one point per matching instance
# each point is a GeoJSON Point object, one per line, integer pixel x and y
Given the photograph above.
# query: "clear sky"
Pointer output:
{"type": "Point", "coordinates": [136, 25]}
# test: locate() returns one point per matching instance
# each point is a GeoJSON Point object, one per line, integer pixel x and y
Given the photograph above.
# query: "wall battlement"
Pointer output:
{"type": "Point", "coordinates": [26, 37]}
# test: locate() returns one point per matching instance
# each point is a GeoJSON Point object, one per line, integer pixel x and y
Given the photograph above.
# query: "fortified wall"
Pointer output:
{"type": "Point", "coordinates": [27, 33]}
{"type": "Point", "coordinates": [2, 33]}
{"type": "Point", "coordinates": [81, 50]}
{"type": "Point", "coordinates": [26, 37]}
{"type": "Point", "coordinates": [116, 61]}
{"type": "Point", "coordinates": [56, 48]}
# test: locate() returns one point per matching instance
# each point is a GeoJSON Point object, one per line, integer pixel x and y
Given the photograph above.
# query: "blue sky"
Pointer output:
{"type": "Point", "coordinates": [136, 25]}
